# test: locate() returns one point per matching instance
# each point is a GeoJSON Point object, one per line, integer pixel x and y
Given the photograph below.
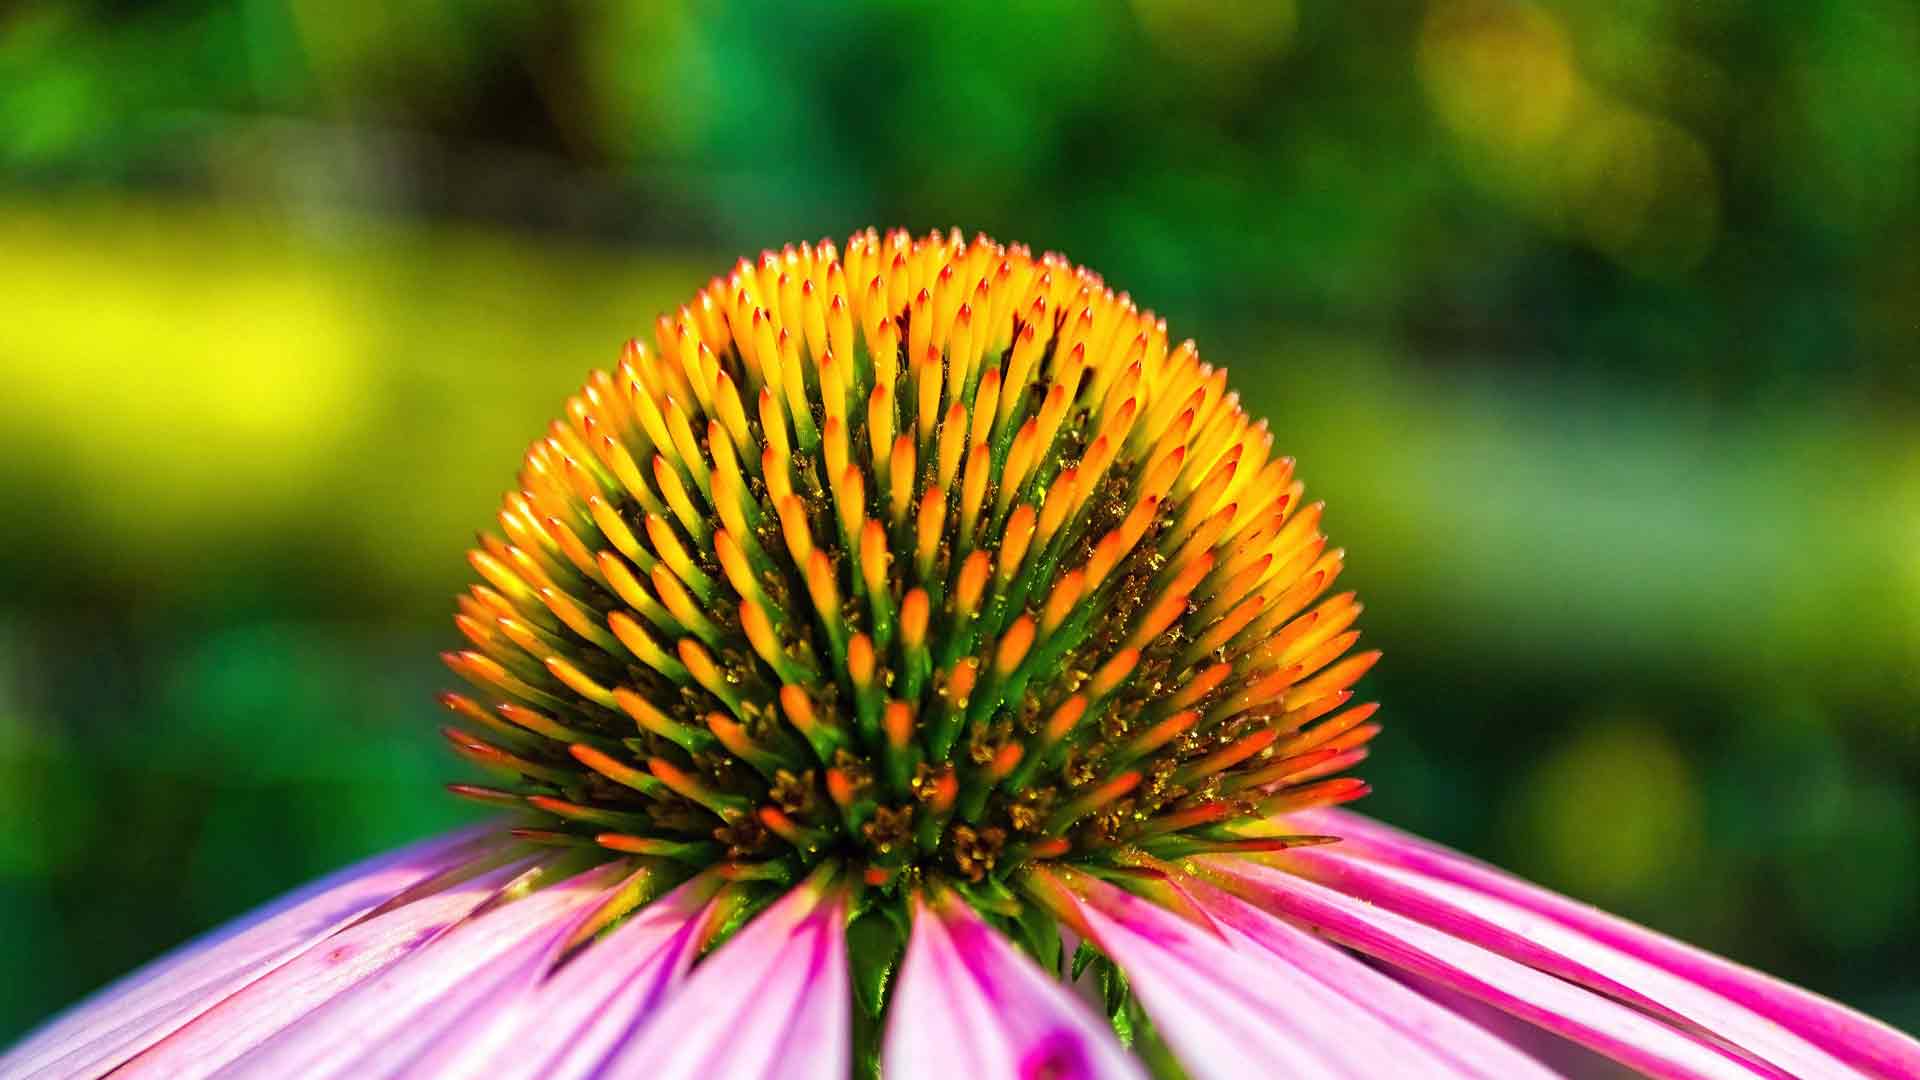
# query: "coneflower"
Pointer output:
{"type": "Point", "coordinates": [915, 664]}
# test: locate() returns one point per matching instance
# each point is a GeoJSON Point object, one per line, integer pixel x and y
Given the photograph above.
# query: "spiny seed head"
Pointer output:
{"type": "Point", "coordinates": [935, 559]}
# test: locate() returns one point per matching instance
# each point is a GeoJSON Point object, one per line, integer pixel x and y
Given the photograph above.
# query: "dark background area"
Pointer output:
{"type": "Point", "coordinates": [1597, 325]}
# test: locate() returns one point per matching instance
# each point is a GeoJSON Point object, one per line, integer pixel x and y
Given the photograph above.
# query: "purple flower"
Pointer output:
{"type": "Point", "coordinates": [954, 698]}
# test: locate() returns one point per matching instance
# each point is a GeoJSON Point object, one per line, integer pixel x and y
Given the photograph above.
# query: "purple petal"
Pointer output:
{"type": "Point", "coordinates": [1563, 1056]}
{"type": "Point", "coordinates": [1620, 1032]}
{"type": "Point", "coordinates": [1469, 1048]}
{"type": "Point", "coordinates": [772, 1001]}
{"type": "Point", "coordinates": [138, 1011]}
{"type": "Point", "coordinates": [400, 1018]}
{"type": "Point", "coordinates": [565, 1024]}
{"type": "Point", "coordinates": [1848, 1035]}
{"type": "Point", "coordinates": [968, 1004]}
{"type": "Point", "coordinates": [1227, 1013]}
{"type": "Point", "coordinates": [371, 1027]}
{"type": "Point", "coordinates": [1553, 947]}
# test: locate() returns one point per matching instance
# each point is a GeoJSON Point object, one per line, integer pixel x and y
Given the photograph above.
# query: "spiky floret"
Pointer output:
{"type": "Point", "coordinates": [934, 560]}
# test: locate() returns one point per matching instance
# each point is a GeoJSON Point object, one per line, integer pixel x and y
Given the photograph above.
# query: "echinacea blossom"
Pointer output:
{"type": "Point", "coordinates": [913, 665]}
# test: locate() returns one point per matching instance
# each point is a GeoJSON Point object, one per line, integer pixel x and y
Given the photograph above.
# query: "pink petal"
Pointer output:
{"type": "Point", "coordinates": [772, 1001]}
{"type": "Point", "coordinates": [1563, 1056]}
{"type": "Point", "coordinates": [968, 1004]}
{"type": "Point", "coordinates": [375, 1026]}
{"type": "Point", "coordinates": [1470, 1049]}
{"type": "Point", "coordinates": [1600, 1023]}
{"type": "Point", "coordinates": [138, 1011]}
{"type": "Point", "coordinates": [565, 1024]}
{"type": "Point", "coordinates": [1227, 1013]}
{"type": "Point", "coordinates": [1550, 946]}
{"type": "Point", "coordinates": [1855, 1038]}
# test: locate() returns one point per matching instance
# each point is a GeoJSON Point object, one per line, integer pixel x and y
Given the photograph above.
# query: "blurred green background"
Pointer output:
{"type": "Point", "coordinates": [1597, 325]}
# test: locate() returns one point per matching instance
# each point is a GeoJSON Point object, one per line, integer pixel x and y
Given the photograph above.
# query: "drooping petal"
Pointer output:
{"type": "Point", "coordinates": [1554, 947]}
{"type": "Point", "coordinates": [133, 1014]}
{"type": "Point", "coordinates": [970, 1005]}
{"type": "Point", "coordinates": [1471, 1049]}
{"type": "Point", "coordinates": [1846, 1034]}
{"type": "Point", "coordinates": [772, 1001]}
{"type": "Point", "coordinates": [562, 1025]}
{"type": "Point", "coordinates": [1600, 1023]}
{"type": "Point", "coordinates": [1563, 1056]}
{"type": "Point", "coordinates": [375, 1026]}
{"type": "Point", "coordinates": [1225, 1013]}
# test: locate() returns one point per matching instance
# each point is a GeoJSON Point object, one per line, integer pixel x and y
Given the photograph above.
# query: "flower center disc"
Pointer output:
{"type": "Point", "coordinates": [935, 559]}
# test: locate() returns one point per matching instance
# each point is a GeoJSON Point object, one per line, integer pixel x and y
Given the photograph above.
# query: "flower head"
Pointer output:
{"type": "Point", "coordinates": [937, 563]}
{"type": "Point", "coordinates": [914, 664]}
